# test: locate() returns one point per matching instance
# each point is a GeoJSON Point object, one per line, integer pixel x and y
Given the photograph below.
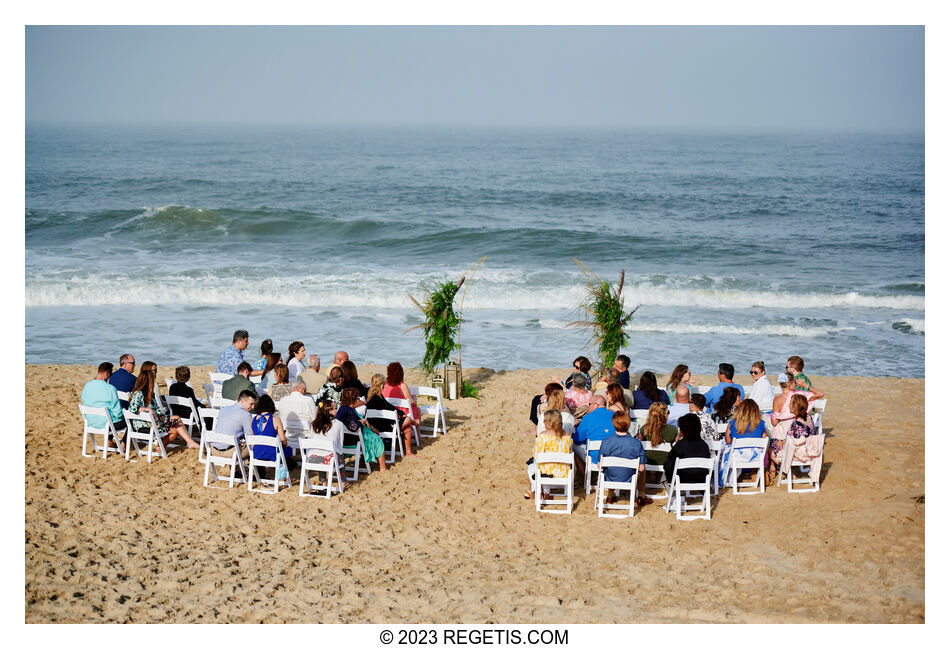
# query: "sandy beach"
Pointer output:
{"type": "Point", "coordinates": [447, 536]}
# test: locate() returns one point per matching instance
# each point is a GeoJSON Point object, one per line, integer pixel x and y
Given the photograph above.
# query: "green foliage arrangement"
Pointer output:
{"type": "Point", "coordinates": [608, 320]}
{"type": "Point", "coordinates": [468, 390]}
{"type": "Point", "coordinates": [440, 323]}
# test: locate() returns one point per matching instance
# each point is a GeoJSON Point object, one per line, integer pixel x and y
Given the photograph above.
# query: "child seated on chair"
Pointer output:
{"type": "Point", "coordinates": [621, 444]}
{"type": "Point", "coordinates": [689, 445]}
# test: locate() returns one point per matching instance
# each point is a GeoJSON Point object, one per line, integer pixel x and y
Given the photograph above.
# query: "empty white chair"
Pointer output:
{"type": "Point", "coordinates": [394, 435]}
{"type": "Point", "coordinates": [565, 484]}
{"type": "Point", "coordinates": [148, 435]}
{"type": "Point", "coordinates": [320, 447]}
{"type": "Point", "coordinates": [235, 461]}
{"type": "Point", "coordinates": [591, 466]}
{"type": "Point", "coordinates": [649, 468]}
{"type": "Point", "coordinates": [818, 406]}
{"type": "Point", "coordinates": [600, 502]}
{"type": "Point", "coordinates": [679, 491]}
{"type": "Point", "coordinates": [205, 414]}
{"type": "Point", "coordinates": [702, 389]}
{"type": "Point", "coordinates": [640, 416]}
{"type": "Point", "coordinates": [221, 402]}
{"type": "Point", "coordinates": [90, 432]}
{"type": "Point", "coordinates": [405, 403]}
{"type": "Point", "coordinates": [279, 464]}
{"type": "Point", "coordinates": [747, 453]}
{"type": "Point", "coordinates": [436, 410]}
{"type": "Point", "coordinates": [124, 396]}
{"type": "Point", "coordinates": [812, 476]}
{"type": "Point", "coordinates": [217, 378]}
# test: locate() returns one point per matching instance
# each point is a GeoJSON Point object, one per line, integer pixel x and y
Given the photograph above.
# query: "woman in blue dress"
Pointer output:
{"type": "Point", "coordinates": [746, 423]}
{"type": "Point", "coordinates": [268, 424]}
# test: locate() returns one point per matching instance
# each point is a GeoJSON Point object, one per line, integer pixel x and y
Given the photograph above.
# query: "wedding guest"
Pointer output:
{"type": "Point", "coordinates": [233, 356]}
{"type": "Point", "coordinates": [295, 356]}
{"type": "Point", "coordinates": [647, 393]}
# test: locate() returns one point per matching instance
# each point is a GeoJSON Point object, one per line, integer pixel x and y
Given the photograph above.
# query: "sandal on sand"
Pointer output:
{"type": "Point", "coordinates": [643, 501]}
{"type": "Point", "coordinates": [528, 495]}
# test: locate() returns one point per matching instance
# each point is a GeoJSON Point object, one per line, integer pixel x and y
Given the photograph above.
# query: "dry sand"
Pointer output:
{"type": "Point", "coordinates": [447, 537]}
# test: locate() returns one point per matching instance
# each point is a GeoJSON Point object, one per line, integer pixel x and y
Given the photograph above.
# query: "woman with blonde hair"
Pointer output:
{"type": "Point", "coordinates": [657, 431]}
{"type": "Point", "coordinates": [747, 422]}
{"type": "Point", "coordinates": [615, 400]}
{"type": "Point", "coordinates": [556, 402]}
{"type": "Point", "coordinates": [680, 375]}
{"type": "Point", "coordinates": [553, 439]}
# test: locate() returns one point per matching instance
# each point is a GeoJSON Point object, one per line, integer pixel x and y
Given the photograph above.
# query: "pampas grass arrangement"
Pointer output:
{"type": "Point", "coordinates": [608, 320]}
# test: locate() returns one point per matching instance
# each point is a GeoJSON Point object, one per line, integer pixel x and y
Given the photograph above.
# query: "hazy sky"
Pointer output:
{"type": "Point", "coordinates": [854, 78]}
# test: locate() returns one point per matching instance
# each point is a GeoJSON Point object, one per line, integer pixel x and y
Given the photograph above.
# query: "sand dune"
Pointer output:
{"type": "Point", "coordinates": [447, 537]}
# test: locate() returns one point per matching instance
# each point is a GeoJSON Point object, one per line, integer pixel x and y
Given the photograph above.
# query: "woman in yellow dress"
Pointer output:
{"type": "Point", "coordinates": [553, 439]}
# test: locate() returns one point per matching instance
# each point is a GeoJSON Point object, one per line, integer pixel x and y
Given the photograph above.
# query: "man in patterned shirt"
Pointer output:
{"type": "Point", "coordinates": [233, 356]}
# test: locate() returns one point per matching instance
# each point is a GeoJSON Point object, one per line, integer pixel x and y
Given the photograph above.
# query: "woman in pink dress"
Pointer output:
{"type": "Point", "coordinates": [396, 388]}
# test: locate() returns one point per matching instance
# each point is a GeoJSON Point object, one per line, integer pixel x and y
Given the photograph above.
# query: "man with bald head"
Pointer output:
{"type": "Point", "coordinates": [338, 359]}
{"type": "Point", "coordinates": [680, 405]}
{"type": "Point", "coordinates": [597, 424]}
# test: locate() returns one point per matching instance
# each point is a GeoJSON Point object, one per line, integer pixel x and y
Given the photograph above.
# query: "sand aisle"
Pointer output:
{"type": "Point", "coordinates": [447, 537]}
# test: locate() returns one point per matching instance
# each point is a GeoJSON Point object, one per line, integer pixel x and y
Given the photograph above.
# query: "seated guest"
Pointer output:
{"type": "Point", "coordinates": [312, 376]}
{"type": "Point", "coordinates": [376, 401]}
{"type": "Point", "coordinates": [268, 379]}
{"type": "Point", "coordinates": [746, 424]}
{"type": "Point", "coordinates": [373, 448]}
{"type": "Point", "coordinates": [556, 402]}
{"type": "Point", "coordinates": [796, 365]}
{"type": "Point", "coordinates": [233, 356]}
{"type": "Point", "coordinates": [297, 410]}
{"type": "Point", "coordinates": [268, 424]}
{"type": "Point", "coordinates": [396, 388]}
{"type": "Point", "coordinates": [724, 408]}
{"type": "Point", "coordinates": [180, 388]}
{"type": "Point", "coordinates": [169, 427]}
{"type": "Point", "coordinates": [582, 365]}
{"type": "Point", "coordinates": [613, 376]}
{"type": "Point", "coordinates": [782, 415]}
{"type": "Point", "coordinates": [537, 403]}
{"type": "Point", "coordinates": [622, 444]}
{"type": "Point", "coordinates": [657, 431]}
{"type": "Point", "coordinates": [236, 421]}
{"type": "Point", "coordinates": [597, 424]}
{"type": "Point", "coordinates": [615, 400]}
{"type": "Point", "coordinates": [801, 425]}
{"type": "Point", "coordinates": [680, 376]}
{"type": "Point", "coordinates": [338, 359]}
{"type": "Point", "coordinates": [330, 392]}
{"type": "Point", "coordinates": [99, 393]}
{"type": "Point", "coordinates": [578, 396]}
{"type": "Point", "coordinates": [689, 445]}
{"type": "Point", "coordinates": [553, 439]}
{"type": "Point", "coordinates": [280, 387]}
{"type": "Point", "coordinates": [326, 426]}
{"type": "Point", "coordinates": [622, 365]}
{"type": "Point", "coordinates": [295, 356]}
{"type": "Point", "coordinates": [761, 391]}
{"type": "Point", "coordinates": [697, 406]}
{"type": "Point", "coordinates": [726, 372]}
{"type": "Point", "coordinates": [267, 348]}
{"type": "Point", "coordinates": [647, 393]}
{"type": "Point", "coordinates": [351, 379]}
{"type": "Point", "coordinates": [680, 405]}
{"type": "Point", "coordinates": [235, 385]}
{"type": "Point", "coordinates": [123, 378]}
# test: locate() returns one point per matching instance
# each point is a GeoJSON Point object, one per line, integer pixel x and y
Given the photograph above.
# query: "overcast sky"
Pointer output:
{"type": "Point", "coordinates": [784, 78]}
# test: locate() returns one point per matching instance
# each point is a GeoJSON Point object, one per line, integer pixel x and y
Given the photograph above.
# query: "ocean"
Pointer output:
{"type": "Point", "coordinates": [161, 241]}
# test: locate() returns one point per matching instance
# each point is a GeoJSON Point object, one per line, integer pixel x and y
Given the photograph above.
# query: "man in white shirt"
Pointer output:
{"type": "Point", "coordinates": [680, 405]}
{"type": "Point", "coordinates": [297, 411]}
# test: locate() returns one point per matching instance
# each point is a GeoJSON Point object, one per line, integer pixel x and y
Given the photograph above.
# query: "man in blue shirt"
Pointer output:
{"type": "Point", "coordinates": [98, 393]}
{"type": "Point", "coordinates": [123, 379]}
{"type": "Point", "coordinates": [726, 372]}
{"type": "Point", "coordinates": [233, 356]}
{"type": "Point", "coordinates": [235, 420]}
{"type": "Point", "coordinates": [597, 424]}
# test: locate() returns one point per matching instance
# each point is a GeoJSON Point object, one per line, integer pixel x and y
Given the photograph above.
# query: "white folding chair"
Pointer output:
{"type": "Point", "coordinates": [235, 461]}
{"type": "Point", "coordinates": [203, 414]}
{"type": "Point", "coordinates": [721, 429]}
{"type": "Point", "coordinates": [217, 378]}
{"type": "Point", "coordinates": [221, 402]}
{"type": "Point", "coordinates": [405, 403]}
{"type": "Point", "coordinates": [789, 464]}
{"type": "Point", "coordinates": [321, 447]}
{"type": "Point", "coordinates": [149, 436]}
{"type": "Point", "coordinates": [124, 396]}
{"type": "Point", "coordinates": [715, 452]}
{"type": "Point", "coordinates": [655, 468]}
{"type": "Point", "coordinates": [739, 461]}
{"type": "Point", "coordinates": [818, 409]}
{"type": "Point", "coordinates": [254, 443]}
{"type": "Point", "coordinates": [209, 390]}
{"type": "Point", "coordinates": [589, 465]}
{"type": "Point", "coordinates": [90, 432]}
{"type": "Point", "coordinates": [640, 416]}
{"type": "Point", "coordinates": [191, 421]}
{"type": "Point", "coordinates": [566, 484]}
{"type": "Point", "coordinates": [600, 501]}
{"type": "Point", "coordinates": [679, 491]}
{"type": "Point", "coordinates": [437, 410]}
{"type": "Point", "coordinates": [394, 435]}
{"type": "Point", "coordinates": [702, 389]}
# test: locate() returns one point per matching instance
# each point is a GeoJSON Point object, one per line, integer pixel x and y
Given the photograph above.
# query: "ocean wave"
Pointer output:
{"type": "Point", "coordinates": [494, 289]}
{"type": "Point", "coordinates": [735, 330]}
{"type": "Point", "coordinates": [909, 325]}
